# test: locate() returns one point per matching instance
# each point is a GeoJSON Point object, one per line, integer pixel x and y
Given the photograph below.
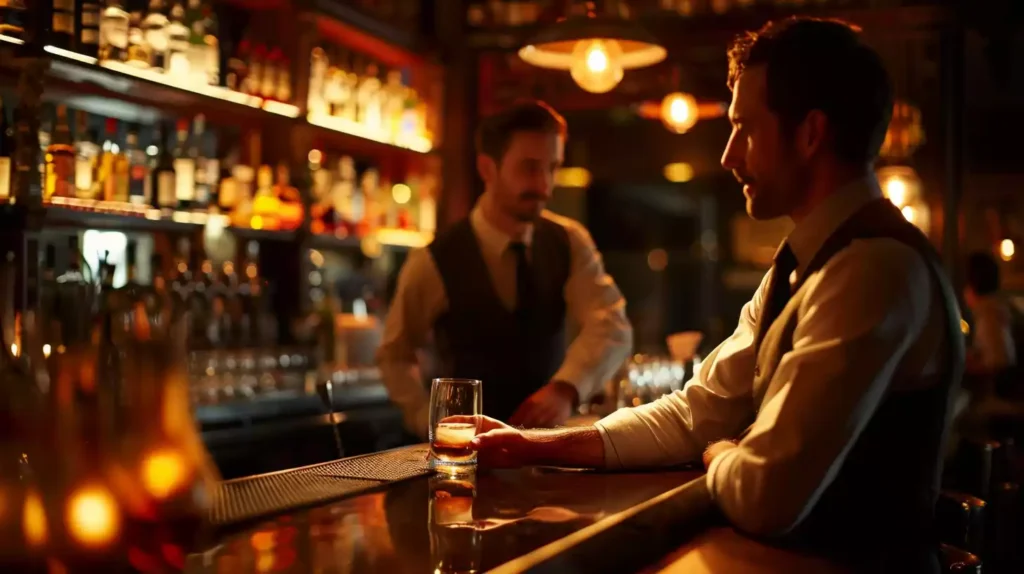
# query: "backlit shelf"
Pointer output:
{"type": "Point", "coordinates": [414, 143]}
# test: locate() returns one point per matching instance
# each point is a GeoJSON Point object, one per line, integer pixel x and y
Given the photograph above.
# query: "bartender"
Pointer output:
{"type": "Point", "coordinates": [496, 290]}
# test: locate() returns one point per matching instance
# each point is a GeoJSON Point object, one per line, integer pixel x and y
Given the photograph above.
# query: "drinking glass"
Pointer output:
{"type": "Point", "coordinates": [451, 442]}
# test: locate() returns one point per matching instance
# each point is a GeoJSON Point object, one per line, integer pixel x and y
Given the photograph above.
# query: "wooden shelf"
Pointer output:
{"type": "Point", "coordinates": [354, 28]}
{"type": "Point", "coordinates": [393, 239]}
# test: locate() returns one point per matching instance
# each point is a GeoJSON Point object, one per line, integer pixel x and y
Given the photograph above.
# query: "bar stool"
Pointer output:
{"type": "Point", "coordinates": [959, 561]}
{"type": "Point", "coordinates": [960, 520]}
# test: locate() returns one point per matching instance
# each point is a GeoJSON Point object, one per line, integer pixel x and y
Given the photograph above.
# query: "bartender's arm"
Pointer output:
{"type": "Point", "coordinates": [604, 341]}
{"type": "Point", "coordinates": [419, 299]}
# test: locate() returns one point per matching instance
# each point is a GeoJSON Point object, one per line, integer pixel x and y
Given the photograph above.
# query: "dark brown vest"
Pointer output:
{"type": "Point", "coordinates": [877, 513]}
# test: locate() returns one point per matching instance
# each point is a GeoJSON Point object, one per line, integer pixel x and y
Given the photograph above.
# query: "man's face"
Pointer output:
{"type": "Point", "coordinates": [523, 180]}
{"type": "Point", "coordinates": [759, 154]}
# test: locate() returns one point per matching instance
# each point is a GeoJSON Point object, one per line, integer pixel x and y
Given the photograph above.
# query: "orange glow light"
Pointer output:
{"type": "Point", "coordinates": [164, 472]}
{"type": "Point", "coordinates": [92, 516]}
{"type": "Point", "coordinates": [256, 222]}
{"type": "Point", "coordinates": [33, 520]}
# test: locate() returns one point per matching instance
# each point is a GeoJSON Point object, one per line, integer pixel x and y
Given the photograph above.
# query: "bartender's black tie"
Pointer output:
{"type": "Point", "coordinates": [524, 282]}
{"type": "Point", "coordinates": [779, 289]}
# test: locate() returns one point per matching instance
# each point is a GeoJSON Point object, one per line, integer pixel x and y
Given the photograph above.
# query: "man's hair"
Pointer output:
{"type": "Point", "coordinates": [496, 131]}
{"type": "Point", "coordinates": [982, 273]}
{"type": "Point", "coordinates": [821, 64]}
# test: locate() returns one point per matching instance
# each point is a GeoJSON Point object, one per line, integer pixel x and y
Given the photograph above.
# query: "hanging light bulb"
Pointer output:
{"type": "Point", "coordinates": [595, 66]}
{"type": "Point", "coordinates": [596, 45]}
{"type": "Point", "coordinates": [679, 112]}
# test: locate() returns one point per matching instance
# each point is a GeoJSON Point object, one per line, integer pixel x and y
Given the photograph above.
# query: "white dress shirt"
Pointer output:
{"type": "Point", "coordinates": [870, 313]}
{"type": "Point", "coordinates": [993, 335]}
{"type": "Point", "coordinates": [595, 308]}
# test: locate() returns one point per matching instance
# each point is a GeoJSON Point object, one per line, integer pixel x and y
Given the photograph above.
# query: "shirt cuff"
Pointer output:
{"type": "Point", "coordinates": [577, 378]}
{"type": "Point", "coordinates": [623, 427]}
{"type": "Point", "coordinates": [718, 469]}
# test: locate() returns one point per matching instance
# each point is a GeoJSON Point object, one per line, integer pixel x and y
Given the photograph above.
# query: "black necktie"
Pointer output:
{"type": "Point", "coordinates": [524, 281]}
{"type": "Point", "coordinates": [779, 289]}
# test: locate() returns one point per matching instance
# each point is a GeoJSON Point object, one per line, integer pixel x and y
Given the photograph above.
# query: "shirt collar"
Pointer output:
{"type": "Point", "coordinates": [811, 233]}
{"type": "Point", "coordinates": [492, 239]}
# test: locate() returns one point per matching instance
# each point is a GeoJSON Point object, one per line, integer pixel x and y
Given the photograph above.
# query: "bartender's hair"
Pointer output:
{"type": "Point", "coordinates": [982, 273]}
{"type": "Point", "coordinates": [495, 132]}
{"type": "Point", "coordinates": [821, 64]}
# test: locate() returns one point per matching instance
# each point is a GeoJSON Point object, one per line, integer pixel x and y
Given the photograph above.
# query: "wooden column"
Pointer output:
{"type": "Point", "coordinates": [459, 118]}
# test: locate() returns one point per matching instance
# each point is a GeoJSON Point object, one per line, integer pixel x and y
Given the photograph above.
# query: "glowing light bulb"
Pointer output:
{"type": "Point", "coordinates": [1007, 249]}
{"type": "Point", "coordinates": [164, 472]}
{"type": "Point", "coordinates": [595, 66]}
{"type": "Point", "coordinates": [92, 516]}
{"type": "Point", "coordinates": [679, 112]}
{"type": "Point", "coordinates": [896, 191]}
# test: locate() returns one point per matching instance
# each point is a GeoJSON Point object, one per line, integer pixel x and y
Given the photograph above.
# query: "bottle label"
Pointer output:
{"type": "Point", "coordinates": [5, 177]}
{"type": "Point", "coordinates": [115, 32]}
{"type": "Point", "coordinates": [137, 183]}
{"type": "Point", "coordinates": [156, 37]}
{"type": "Point", "coordinates": [90, 15]}
{"type": "Point", "coordinates": [165, 189]}
{"type": "Point", "coordinates": [90, 36]}
{"type": "Point", "coordinates": [185, 179]}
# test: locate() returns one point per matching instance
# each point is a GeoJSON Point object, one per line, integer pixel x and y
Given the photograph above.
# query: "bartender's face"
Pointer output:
{"type": "Point", "coordinates": [522, 182]}
{"type": "Point", "coordinates": [759, 154]}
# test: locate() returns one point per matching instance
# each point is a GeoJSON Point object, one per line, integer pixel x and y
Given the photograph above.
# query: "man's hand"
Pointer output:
{"type": "Point", "coordinates": [549, 407]}
{"type": "Point", "coordinates": [499, 445]}
{"type": "Point", "coordinates": [715, 449]}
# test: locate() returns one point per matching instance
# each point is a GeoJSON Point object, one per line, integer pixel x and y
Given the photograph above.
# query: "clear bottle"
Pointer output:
{"type": "Point", "coordinates": [184, 169]}
{"type": "Point", "coordinates": [154, 32]}
{"type": "Point", "coordinates": [177, 59]}
{"type": "Point", "coordinates": [6, 153]}
{"type": "Point", "coordinates": [195, 24]}
{"type": "Point", "coordinates": [318, 66]}
{"type": "Point", "coordinates": [197, 151]}
{"type": "Point", "coordinates": [138, 47]}
{"type": "Point", "coordinates": [114, 25]}
{"type": "Point", "coordinates": [211, 30]}
{"type": "Point", "coordinates": [87, 153]}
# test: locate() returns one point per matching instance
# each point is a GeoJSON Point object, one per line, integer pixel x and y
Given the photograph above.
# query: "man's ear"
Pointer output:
{"type": "Point", "coordinates": [812, 133]}
{"type": "Point", "coordinates": [486, 167]}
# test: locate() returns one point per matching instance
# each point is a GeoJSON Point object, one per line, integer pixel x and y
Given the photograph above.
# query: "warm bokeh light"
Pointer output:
{"type": "Point", "coordinates": [1007, 249]}
{"type": "Point", "coordinates": [316, 257]}
{"type": "Point", "coordinates": [15, 350]}
{"type": "Point", "coordinates": [896, 191]}
{"type": "Point", "coordinates": [33, 520]}
{"type": "Point", "coordinates": [164, 472]}
{"type": "Point", "coordinates": [909, 213]}
{"type": "Point", "coordinates": [47, 350]}
{"type": "Point", "coordinates": [315, 156]}
{"type": "Point", "coordinates": [657, 259]}
{"type": "Point", "coordinates": [679, 112]}
{"type": "Point", "coordinates": [679, 172]}
{"type": "Point", "coordinates": [401, 193]}
{"type": "Point", "coordinates": [572, 177]}
{"type": "Point", "coordinates": [256, 222]}
{"type": "Point", "coordinates": [964, 327]}
{"type": "Point", "coordinates": [595, 66]}
{"type": "Point", "coordinates": [92, 516]}
{"type": "Point", "coordinates": [900, 184]}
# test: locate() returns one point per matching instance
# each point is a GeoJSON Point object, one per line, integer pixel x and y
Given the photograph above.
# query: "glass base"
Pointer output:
{"type": "Point", "coordinates": [452, 467]}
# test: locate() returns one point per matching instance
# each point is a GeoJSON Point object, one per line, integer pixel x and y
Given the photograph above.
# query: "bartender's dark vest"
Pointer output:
{"type": "Point", "coordinates": [479, 338]}
{"type": "Point", "coordinates": [877, 513]}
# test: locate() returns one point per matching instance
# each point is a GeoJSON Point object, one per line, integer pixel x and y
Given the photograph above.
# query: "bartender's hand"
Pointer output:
{"type": "Point", "coordinates": [549, 407]}
{"type": "Point", "coordinates": [715, 449]}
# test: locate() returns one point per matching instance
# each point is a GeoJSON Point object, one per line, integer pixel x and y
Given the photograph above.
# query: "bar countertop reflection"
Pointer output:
{"type": "Point", "coordinates": [434, 523]}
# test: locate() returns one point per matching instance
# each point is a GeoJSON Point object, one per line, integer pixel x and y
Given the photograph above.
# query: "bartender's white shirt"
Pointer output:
{"type": "Point", "coordinates": [870, 313]}
{"type": "Point", "coordinates": [595, 308]}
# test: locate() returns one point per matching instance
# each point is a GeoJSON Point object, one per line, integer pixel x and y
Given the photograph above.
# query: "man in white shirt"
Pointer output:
{"type": "Point", "coordinates": [821, 419]}
{"type": "Point", "coordinates": [495, 290]}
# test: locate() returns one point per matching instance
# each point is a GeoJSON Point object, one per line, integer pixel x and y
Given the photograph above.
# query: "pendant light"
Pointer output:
{"type": "Point", "coordinates": [596, 42]}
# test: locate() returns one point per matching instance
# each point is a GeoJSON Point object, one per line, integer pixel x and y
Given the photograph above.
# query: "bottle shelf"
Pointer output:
{"type": "Point", "coordinates": [122, 216]}
{"type": "Point", "coordinates": [391, 238]}
{"type": "Point", "coordinates": [118, 90]}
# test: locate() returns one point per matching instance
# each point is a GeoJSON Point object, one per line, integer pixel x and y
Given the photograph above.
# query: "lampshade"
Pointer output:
{"type": "Point", "coordinates": [553, 46]}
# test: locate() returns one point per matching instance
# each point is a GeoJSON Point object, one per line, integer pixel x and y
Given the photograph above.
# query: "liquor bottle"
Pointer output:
{"type": "Point", "coordinates": [196, 303]}
{"type": "Point", "coordinates": [196, 42]}
{"type": "Point", "coordinates": [211, 29]}
{"type": "Point", "coordinates": [350, 67]}
{"type": "Point", "coordinates": [284, 81]}
{"type": "Point", "coordinates": [181, 276]}
{"type": "Point", "coordinates": [45, 134]}
{"type": "Point", "coordinates": [88, 20]}
{"type": "Point", "coordinates": [238, 66]}
{"type": "Point", "coordinates": [254, 71]}
{"type": "Point", "coordinates": [140, 190]}
{"type": "Point", "coordinates": [252, 297]}
{"type": "Point", "coordinates": [196, 151]}
{"type": "Point", "coordinates": [108, 158]}
{"type": "Point", "coordinates": [177, 61]}
{"type": "Point", "coordinates": [344, 191]}
{"type": "Point", "coordinates": [394, 105]}
{"type": "Point", "coordinates": [154, 32]}
{"type": "Point", "coordinates": [60, 159]}
{"type": "Point", "coordinates": [184, 169]}
{"type": "Point", "coordinates": [163, 177]}
{"type": "Point", "coordinates": [334, 79]}
{"type": "Point", "coordinates": [138, 47]}
{"type": "Point", "coordinates": [6, 153]}
{"type": "Point", "coordinates": [114, 32]}
{"type": "Point", "coordinates": [87, 154]}
{"type": "Point", "coordinates": [268, 79]}
{"type": "Point", "coordinates": [318, 66]}
{"type": "Point", "coordinates": [62, 27]}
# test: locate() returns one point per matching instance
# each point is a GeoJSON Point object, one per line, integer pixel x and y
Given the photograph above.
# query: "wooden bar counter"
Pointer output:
{"type": "Point", "coordinates": [529, 520]}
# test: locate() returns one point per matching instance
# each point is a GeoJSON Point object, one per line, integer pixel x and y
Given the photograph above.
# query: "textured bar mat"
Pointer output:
{"type": "Point", "coordinates": [264, 495]}
{"type": "Point", "coordinates": [398, 464]}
